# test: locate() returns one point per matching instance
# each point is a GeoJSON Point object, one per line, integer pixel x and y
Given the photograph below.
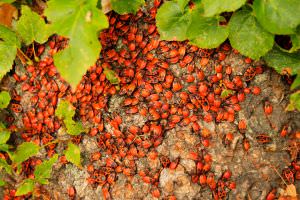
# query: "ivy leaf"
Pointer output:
{"type": "Point", "coordinates": [226, 93]}
{"type": "Point", "coordinates": [26, 187]}
{"type": "Point", "coordinates": [65, 110]}
{"type": "Point", "coordinates": [294, 102]}
{"type": "Point", "coordinates": [295, 41]}
{"type": "Point", "coordinates": [296, 82]}
{"type": "Point", "coordinates": [124, 6]}
{"type": "Point", "coordinates": [281, 61]}
{"type": "Point", "coordinates": [43, 171]}
{"type": "Point", "coordinates": [31, 27]}
{"type": "Point", "coordinates": [247, 36]}
{"type": "Point", "coordinates": [81, 22]}
{"type": "Point", "coordinates": [214, 7]}
{"type": "Point", "coordinates": [7, 167]}
{"type": "Point", "coordinates": [9, 43]}
{"type": "Point", "coordinates": [73, 154]}
{"type": "Point", "coordinates": [278, 16]}
{"type": "Point", "coordinates": [111, 76]}
{"type": "Point", "coordinates": [25, 151]}
{"type": "Point", "coordinates": [74, 128]}
{"type": "Point", "coordinates": [172, 23]}
{"type": "Point", "coordinates": [4, 99]}
{"type": "Point", "coordinates": [205, 32]}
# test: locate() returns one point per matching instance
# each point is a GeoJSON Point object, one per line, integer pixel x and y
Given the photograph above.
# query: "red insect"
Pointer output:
{"type": "Point", "coordinates": [268, 108]}
{"type": "Point", "coordinates": [263, 139]}
{"type": "Point", "coordinates": [165, 161]}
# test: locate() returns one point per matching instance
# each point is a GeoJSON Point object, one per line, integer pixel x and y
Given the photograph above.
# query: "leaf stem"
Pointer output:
{"type": "Point", "coordinates": [35, 57]}
{"type": "Point", "coordinates": [24, 55]}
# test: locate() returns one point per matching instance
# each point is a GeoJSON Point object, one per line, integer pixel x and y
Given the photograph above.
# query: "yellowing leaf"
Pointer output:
{"type": "Point", "coordinates": [26, 187]}
{"type": "Point", "coordinates": [111, 76]}
{"type": "Point", "coordinates": [74, 128]}
{"type": "Point", "coordinates": [4, 99]}
{"type": "Point", "coordinates": [226, 93]}
{"type": "Point", "coordinates": [73, 154]}
{"type": "Point", "coordinates": [65, 110]}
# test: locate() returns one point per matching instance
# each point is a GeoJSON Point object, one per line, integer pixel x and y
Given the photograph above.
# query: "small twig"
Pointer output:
{"type": "Point", "coordinates": [49, 143]}
{"type": "Point", "coordinates": [278, 174]}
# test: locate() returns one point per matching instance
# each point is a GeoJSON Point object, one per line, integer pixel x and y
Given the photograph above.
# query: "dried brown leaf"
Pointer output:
{"type": "Point", "coordinates": [7, 13]}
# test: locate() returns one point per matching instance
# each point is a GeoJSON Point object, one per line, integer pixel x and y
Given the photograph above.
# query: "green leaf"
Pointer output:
{"type": "Point", "coordinates": [278, 16]}
{"type": "Point", "coordinates": [7, 1]}
{"type": "Point", "coordinates": [280, 60]}
{"type": "Point", "coordinates": [5, 147]}
{"type": "Point", "coordinates": [25, 151]}
{"type": "Point", "coordinates": [74, 128]}
{"type": "Point", "coordinates": [31, 27]}
{"type": "Point", "coordinates": [111, 76]}
{"type": "Point", "coordinates": [7, 167]}
{"type": "Point", "coordinates": [125, 6]}
{"type": "Point", "coordinates": [247, 36]}
{"type": "Point", "coordinates": [26, 187]}
{"type": "Point", "coordinates": [4, 136]}
{"type": "Point", "coordinates": [226, 93]}
{"type": "Point", "coordinates": [182, 3]}
{"type": "Point", "coordinates": [214, 7]}
{"type": "Point", "coordinates": [295, 40]}
{"type": "Point", "coordinates": [4, 99]}
{"type": "Point", "coordinates": [172, 23]}
{"type": "Point", "coordinates": [43, 171]}
{"type": "Point", "coordinates": [2, 183]}
{"type": "Point", "coordinates": [294, 102]}
{"type": "Point", "coordinates": [65, 110]}
{"type": "Point", "coordinates": [296, 82]}
{"type": "Point", "coordinates": [9, 43]}
{"type": "Point", "coordinates": [73, 154]}
{"type": "Point", "coordinates": [205, 32]}
{"type": "Point", "coordinates": [81, 22]}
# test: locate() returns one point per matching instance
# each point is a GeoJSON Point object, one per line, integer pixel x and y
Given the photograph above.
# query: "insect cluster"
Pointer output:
{"type": "Point", "coordinates": [168, 84]}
